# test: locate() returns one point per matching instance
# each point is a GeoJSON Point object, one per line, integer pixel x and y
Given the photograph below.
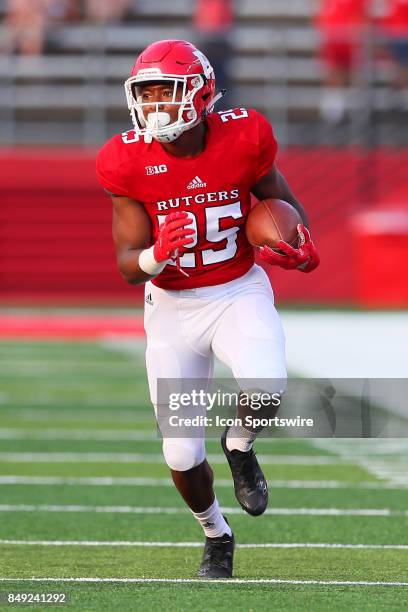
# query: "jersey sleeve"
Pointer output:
{"type": "Point", "coordinates": [267, 147]}
{"type": "Point", "coordinates": [109, 169]}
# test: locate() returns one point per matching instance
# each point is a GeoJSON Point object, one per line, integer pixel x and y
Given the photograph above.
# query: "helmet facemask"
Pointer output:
{"type": "Point", "coordinates": [157, 123]}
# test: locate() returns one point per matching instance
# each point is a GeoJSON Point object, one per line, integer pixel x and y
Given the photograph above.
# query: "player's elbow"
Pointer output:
{"type": "Point", "coordinates": [132, 277]}
{"type": "Point", "coordinates": [128, 279]}
{"type": "Point", "coordinates": [127, 272]}
{"type": "Point", "coordinates": [130, 271]}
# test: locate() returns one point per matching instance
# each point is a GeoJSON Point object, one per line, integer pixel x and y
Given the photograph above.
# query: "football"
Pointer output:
{"type": "Point", "coordinates": [271, 221]}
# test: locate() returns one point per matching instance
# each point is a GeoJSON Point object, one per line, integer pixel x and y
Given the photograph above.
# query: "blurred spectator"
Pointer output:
{"type": "Point", "coordinates": [341, 24]}
{"type": "Point", "coordinates": [101, 11]}
{"type": "Point", "coordinates": [213, 20]}
{"type": "Point", "coordinates": [26, 22]}
{"type": "Point", "coordinates": [395, 27]}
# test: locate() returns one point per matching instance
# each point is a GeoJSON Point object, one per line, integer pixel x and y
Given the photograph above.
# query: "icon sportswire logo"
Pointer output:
{"type": "Point", "coordinates": [196, 183]}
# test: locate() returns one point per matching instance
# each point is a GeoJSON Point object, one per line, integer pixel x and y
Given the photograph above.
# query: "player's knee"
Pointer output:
{"type": "Point", "coordinates": [261, 400]}
{"type": "Point", "coordinates": [272, 385]}
{"type": "Point", "coordinates": [183, 454]}
{"type": "Point", "coordinates": [263, 374]}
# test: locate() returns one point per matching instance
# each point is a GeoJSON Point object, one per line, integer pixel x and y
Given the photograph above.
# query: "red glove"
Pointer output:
{"type": "Point", "coordinates": [305, 258]}
{"type": "Point", "coordinates": [172, 236]}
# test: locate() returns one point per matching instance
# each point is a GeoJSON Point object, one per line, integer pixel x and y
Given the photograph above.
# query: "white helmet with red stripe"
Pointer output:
{"type": "Point", "coordinates": [180, 63]}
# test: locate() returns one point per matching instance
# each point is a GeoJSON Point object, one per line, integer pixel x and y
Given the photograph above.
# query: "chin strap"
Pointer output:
{"type": "Point", "coordinates": [210, 107]}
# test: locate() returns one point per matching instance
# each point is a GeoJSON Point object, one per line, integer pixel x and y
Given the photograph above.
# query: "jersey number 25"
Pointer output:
{"type": "Point", "coordinates": [213, 215]}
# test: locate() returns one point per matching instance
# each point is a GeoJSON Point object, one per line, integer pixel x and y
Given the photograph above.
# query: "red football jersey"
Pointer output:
{"type": "Point", "coordinates": [337, 13]}
{"type": "Point", "coordinates": [214, 188]}
{"type": "Point", "coordinates": [396, 17]}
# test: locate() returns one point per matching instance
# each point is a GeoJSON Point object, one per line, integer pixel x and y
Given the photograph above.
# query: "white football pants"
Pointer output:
{"type": "Point", "coordinates": [236, 321]}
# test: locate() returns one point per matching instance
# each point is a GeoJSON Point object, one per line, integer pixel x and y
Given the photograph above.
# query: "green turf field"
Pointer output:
{"type": "Point", "coordinates": [84, 494]}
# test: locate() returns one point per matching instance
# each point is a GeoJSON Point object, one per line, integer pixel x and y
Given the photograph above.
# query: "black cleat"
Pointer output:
{"type": "Point", "coordinates": [251, 488]}
{"type": "Point", "coordinates": [218, 557]}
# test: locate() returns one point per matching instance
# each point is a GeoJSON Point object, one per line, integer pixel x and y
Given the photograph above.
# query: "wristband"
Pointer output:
{"type": "Point", "coordinates": [148, 263]}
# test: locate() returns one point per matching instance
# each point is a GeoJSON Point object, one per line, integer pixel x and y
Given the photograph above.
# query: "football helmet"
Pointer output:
{"type": "Point", "coordinates": [187, 69]}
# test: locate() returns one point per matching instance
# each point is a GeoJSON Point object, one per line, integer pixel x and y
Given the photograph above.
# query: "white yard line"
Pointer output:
{"type": "Point", "coordinates": [385, 459]}
{"type": "Point", "coordinates": [142, 544]}
{"type": "Point", "coordinates": [73, 457]}
{"type": "Point", "coordinates": [168, 482]}
{"type": "Point", "coordinates": [101, 457]}
{"type": "Point", "coordinates": [363, 446]}
{"type": "Point", "coordinates": [119, 435]}
{"type": "Point", "coordinates": [49, 409]}
{"type": "Point", "coordinates": [93, 481]}
{"type": "Point", "coordinates": [373, 512]}
{"type": "Point", "coordinates": [104, 435]}
{"type": "Point", "coordinates": [227, 581]}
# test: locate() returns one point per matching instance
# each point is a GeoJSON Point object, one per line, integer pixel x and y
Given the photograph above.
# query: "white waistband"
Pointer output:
{"type": "Point", "coordinates": [217, 290]}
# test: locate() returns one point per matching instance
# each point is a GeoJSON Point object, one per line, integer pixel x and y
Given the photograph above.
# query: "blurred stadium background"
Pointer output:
{"type": "Point", "coordinates": [62, 96]}
{"type": "Point", "coordinates": [334, 86]}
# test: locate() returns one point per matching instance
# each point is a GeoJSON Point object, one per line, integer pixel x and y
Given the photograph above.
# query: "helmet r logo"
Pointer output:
{"type": "Point", "coordinates": [130, 137]}
{"type": "Point", "coordinates": [207, 68]}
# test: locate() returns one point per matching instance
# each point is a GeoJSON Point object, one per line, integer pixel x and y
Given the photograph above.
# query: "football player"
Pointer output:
{"type": "Point", "coordinates": [181, 182]}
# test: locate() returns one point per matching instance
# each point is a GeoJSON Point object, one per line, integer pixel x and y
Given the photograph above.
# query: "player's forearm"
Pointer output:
{"type": "Point", "coordinates": [274, 185]}
{"type": "Point", "coordinates": [129, 267]}
{"type": "Point", "coordinates": [285, 193]}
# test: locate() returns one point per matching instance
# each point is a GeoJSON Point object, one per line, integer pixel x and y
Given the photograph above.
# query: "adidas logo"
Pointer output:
{"type": "Point", "coordinates": [196, 183]}
{"type": "Point", "coordinates": [149, 299]}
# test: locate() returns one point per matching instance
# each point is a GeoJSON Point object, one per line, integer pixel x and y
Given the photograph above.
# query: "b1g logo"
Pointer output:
{"type": "Point", "coordinates": [156, 169]}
